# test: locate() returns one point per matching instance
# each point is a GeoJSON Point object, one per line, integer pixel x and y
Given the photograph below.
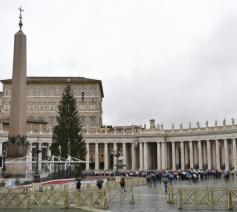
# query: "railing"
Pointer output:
{"type": "Point", "coordinates": [140, 131]}
{"type": "Point", "coordinates": [130, 182]}
{"type": "Point", "coordinates": [203, 197]}
{"type": "Point", "coordinates": [95, 198]}
{"type": "Point", "coordinates": [36, 195]}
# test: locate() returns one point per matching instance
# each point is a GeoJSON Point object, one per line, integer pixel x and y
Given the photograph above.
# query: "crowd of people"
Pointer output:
{"type": "Point", "coordinates": [190, 174]}
{"type": "Point", "coordinates": [162, 176]}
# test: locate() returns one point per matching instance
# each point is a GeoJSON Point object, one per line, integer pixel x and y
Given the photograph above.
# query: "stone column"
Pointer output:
{"type": "Point", "coordinates": [133, 157]}
{"type": "Point", "coordinates": [29, 158]}
{"type": "Point", "coordinates": [209, 155]}
{"type": "Point", "coordinates": [191, 154]}
{"type": "Point", "coordinates": [141, 156]}
{"type": "Point", "coordinates": [200, 154]}
{"type": "Point", "coordinates": [186, 157]}
{"type": "Point", "coordinates": [173, 156]}
{"type": "Point", "coordinates": [96, 156]}
{"type": "Point", "coordinates": [158, 156]}
{"type": "Point", "coordinates": [48, 150]}
{"type": "Point", "coordinates": [163, 155]}
{"type": "Point", "coordinates": [1, 148]}
{"type": "Point", "coordinates": [106, 157]}
{"type": "Point", "coordinates": [234, 163]}
{"type": "Point", "coordinates": [40, 156]}
{"type": "Point", "coordinates": [182, 154]}
{"type": "Point", "coordinates": [87, 156]}
{"type": "Point", "coordinates": [145, 156]}
{"type": "Point", "coordinates": [217, 156]}
{"type": "Point", "coordinates": [115, 159]}
{"type": "Point", "coordinates": [124, 156]}
{"type": "Point", "coordinates": [226, 155]}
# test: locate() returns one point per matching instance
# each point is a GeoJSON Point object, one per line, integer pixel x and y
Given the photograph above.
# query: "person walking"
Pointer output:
{"type": "Point", "coordinates": [122, 184]}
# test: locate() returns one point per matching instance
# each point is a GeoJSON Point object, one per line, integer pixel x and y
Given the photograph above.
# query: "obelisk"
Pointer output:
{"type": "Point", "coordinates": [18, 97]}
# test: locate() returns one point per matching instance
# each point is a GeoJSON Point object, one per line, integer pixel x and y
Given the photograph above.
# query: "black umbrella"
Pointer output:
{"type": "Point", "coordinates": [78, 179]}
{"type": "Point", "coordinates": [100, 181]}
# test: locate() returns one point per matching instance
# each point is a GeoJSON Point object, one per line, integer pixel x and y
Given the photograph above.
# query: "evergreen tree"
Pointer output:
{"type": "Point", "coordinates": [67, 136]}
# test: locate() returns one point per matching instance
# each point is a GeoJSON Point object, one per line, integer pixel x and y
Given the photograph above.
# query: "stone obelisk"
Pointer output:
{"type": "Point", "coordinates": [18, 97]}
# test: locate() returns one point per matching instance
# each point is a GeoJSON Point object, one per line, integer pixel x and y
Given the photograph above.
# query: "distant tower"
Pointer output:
{"type": "Point", "coordinates": [18, 97]}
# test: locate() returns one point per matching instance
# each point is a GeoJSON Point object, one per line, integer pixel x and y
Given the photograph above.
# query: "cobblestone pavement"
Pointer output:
{"type": "Point", "coordinates": [153, 199]}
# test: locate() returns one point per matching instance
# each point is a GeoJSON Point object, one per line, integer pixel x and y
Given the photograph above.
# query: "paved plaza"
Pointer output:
{"type": "Point", "coordinates": [153, 199]}
{"type": "Point", "coordinates": [148, 198]}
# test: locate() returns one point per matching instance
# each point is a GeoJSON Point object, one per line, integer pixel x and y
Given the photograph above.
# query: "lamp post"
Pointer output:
{"type": "Point", "coordinates": [37, 174]}
{"type": "Point", "coordinates": [3, 162]}
{"type": "Point", "coordinates": [116, 154]}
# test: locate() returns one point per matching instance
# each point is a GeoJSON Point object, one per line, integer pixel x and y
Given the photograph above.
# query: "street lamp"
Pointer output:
{"type": "Point", "coordinates": [36, 173]}
{"type": "Point", "coordinates": [116, 154]}
{"type": "Point", "coordinates": [3, 162]}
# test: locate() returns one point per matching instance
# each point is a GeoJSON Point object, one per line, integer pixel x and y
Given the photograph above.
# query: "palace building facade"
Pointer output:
{"type": "Point", "coordinates": [43, 96]}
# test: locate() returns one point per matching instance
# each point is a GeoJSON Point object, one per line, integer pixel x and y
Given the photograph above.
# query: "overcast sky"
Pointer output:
{"type": "Point", "coordinates": [171, 60]}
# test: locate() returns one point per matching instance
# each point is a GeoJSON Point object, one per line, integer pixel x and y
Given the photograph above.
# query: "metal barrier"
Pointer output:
{"type": "Point", "coordinates": [36, 196]}
{"type": "Point", "coordinates": [95, 198]}
{"type": "Point", "coordinates": [203, 197]}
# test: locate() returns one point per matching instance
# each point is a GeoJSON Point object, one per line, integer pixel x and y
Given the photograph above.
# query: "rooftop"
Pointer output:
{"type": "Point", "coordinates": [60, 80]}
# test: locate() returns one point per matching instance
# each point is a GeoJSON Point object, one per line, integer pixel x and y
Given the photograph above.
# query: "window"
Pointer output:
{"type": "Point", "coordinates": [92, 106]}
{"type": "Point", "coordinates": [93, 91]}
{"type": "Point", "coordinates": [41, 118]}
{"type": "Point", "coordinates": [31, 118]}
{"type": "Point", "coordinates": [92, 120]}
{"type": "Point", "coordinates": [82, 120]}
{"type": "Point", "coordinates": [82, 96]}
{"type": "Point", "coordinates": [6, 107]}
{"type": "Point", "coordinates": [51, 119]}
{"type": "Point", "coordinates": [82, 106]}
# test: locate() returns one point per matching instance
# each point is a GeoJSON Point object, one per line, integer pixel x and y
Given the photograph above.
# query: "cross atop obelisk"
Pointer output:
{"type": "Point", "coordinates": [18, 95]}
{"type": "Point", "coordinates": [20, 17]}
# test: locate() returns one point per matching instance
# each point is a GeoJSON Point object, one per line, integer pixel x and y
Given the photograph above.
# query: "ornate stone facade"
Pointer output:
{"type": "Point", "coordinates": [143, 149]}
{"type": "Point", "coordinates": [43, 96]}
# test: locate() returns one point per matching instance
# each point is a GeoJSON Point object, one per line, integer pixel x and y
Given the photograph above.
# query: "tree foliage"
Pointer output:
{"type": "Point", "coordinates": [67, 136]}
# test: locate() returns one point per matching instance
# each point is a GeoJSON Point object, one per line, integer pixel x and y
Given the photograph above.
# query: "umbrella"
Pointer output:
{"type": "Point", "coordinates": [165, 180]}
{"type": "Point", "coordinates": [78, 179]}
{"type": "Point", "coordinates": [188, 175]}
{"type": "Point", "coordinates": [100, 181]}
{"type": "Point", "coordinates": [171, 176]}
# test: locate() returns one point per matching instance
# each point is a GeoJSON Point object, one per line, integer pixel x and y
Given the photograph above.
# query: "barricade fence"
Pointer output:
{"type": "Point", "coordinates": [203, 197]}
{"type": "Point", "coordinates": [64, 196]}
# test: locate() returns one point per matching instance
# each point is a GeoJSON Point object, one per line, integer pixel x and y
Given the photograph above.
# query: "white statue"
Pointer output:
{"type": "Point", "coordinates": [190, 125]}
{"type": "Point", "coordinates": [198, 124]}
{"type": "Point", "coordinates": [158, 126]}
{"type": "Point", "coordinates": [161, 126]}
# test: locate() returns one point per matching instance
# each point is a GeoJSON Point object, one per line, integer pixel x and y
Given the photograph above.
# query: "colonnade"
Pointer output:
{"type": "Point", "coordinates": [144, 155]}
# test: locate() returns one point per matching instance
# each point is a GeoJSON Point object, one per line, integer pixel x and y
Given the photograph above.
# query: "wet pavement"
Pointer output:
{"type": "Point", "coordinates": [153, 199]}
{"type": "Point", "coordinates": [149, 198]}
